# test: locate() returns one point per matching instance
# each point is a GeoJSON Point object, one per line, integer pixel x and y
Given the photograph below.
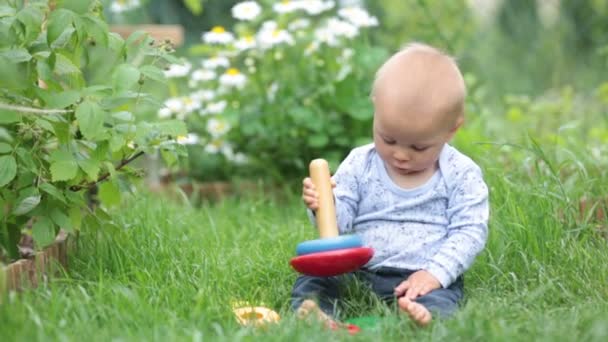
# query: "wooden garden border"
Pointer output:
{"type": "Point", "coordinates": [175, 33]}
{"type": "Point", "coordinates": [29, 273]}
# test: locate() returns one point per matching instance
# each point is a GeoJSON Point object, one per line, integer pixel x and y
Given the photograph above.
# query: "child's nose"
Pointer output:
{"type": "Point", "coordinates": [401, 156]}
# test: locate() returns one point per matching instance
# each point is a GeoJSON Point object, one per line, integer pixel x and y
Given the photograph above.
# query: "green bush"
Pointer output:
{"type": "Point", "coordinates": [71, 102]}
{"type": "Point", "coordinates": [287, 84]}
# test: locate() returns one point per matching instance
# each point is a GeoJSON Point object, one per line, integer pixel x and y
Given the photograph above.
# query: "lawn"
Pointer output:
{"type": "Point", "coordinates": [172, 271]}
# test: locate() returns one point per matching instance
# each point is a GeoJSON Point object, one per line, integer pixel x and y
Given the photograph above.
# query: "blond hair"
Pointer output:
{"type": "Point", "coordinates": [428, 73]}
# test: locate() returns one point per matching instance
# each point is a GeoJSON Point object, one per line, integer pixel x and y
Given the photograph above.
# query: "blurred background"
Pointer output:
{"type": "Point", "coordinates": [266, 86]}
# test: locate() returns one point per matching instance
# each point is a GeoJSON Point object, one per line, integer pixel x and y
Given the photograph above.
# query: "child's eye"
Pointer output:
{"type": "Point", "coordinates": [419, 148]}
{"type": "Point", "coordinates": [389, 141]}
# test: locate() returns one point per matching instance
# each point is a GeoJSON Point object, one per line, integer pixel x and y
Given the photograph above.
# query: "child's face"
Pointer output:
{"type": "Point", "coordinates": [409, 143]}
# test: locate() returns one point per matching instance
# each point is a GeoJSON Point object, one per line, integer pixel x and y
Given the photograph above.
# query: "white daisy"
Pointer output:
{"type": "Point", "coordinates": [217, 127]}
{"type": "Point", "coordinates": [216, 62]}
{"type": "Point", "coordinates": [358, 16]}
{"type": "Point", "coordinates": [201, 75]}
{"type": "Point", "coordinates": [164, 113]}
{"type": "Point", "coordinates": [315, 7]}
{"type": "Point", "coordinates": [244, 43]}
{"type": "Point", "coordinates": [119, 6]}
{"type": "Point", "coordinates": [299, 24]}
{"type": "Point", "coordinates": [178, 70]}
{"type": "Point", "coordinates": [342, 28]}
{"type": "Point", "coordinates": [203, 95]}
{"type": "Point", "coordinates": [215, 108]}
{"type": "Point", "coordinates": [233, 78]}
{"type": "Point", "coordinates": [269, 38]}
{"type": "Point", "coordinates": [286, 6]}
{"type": "Point", "coordinates": [190, 139]}
{"type": "Point", "coordinates": [246, 10]}
{"type": "Point", "coordinates": [218, 35]}
{"type": "Point", "coordinates": [174, 104]}
{"type": "Point", "coordinates": [215, 146]}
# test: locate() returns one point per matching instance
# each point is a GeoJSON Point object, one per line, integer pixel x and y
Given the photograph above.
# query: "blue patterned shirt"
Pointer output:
{"type": "Point", "coordinates": [439, 226]}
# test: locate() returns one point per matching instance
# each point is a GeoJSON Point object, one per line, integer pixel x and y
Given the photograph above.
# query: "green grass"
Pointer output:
{"type": "Point", "coordinates": [171, 272]}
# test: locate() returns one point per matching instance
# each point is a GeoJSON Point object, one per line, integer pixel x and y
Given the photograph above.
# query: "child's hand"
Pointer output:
{"type": "Point", "coordinates": [417, 284]}
{"type": "Point", "coordinates": [310, 195]}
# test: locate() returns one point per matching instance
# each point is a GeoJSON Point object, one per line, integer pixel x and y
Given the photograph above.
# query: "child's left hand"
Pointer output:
{"type": "Point", "coordinates": [417, 284]}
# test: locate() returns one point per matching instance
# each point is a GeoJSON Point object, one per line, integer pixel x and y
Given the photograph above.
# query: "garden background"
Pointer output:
{"type": "Point", "coordinates": [117, 141]}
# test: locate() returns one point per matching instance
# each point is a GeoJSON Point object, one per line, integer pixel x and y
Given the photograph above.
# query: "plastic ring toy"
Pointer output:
{"type": "Point", "coordinates": [256, 315]}
{"type": "Point", "coordinates": [323, 245]}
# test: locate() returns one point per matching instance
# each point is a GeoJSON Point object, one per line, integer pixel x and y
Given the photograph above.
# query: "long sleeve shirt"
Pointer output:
{"type": "Point", "coordinates": [439, 226]}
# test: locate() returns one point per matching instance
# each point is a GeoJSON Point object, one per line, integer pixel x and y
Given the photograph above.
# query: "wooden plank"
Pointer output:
{"type": "Point", "coordinates": [174, 33]}
{"type": "Point", "coordinates": [25, 273]}
{"type": "Point", "coordinates": [3, 283]}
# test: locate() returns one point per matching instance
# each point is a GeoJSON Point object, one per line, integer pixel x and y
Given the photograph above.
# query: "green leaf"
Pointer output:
{"type": "Point", "coordinates": [63, 166]}
{"type": "Point", "coordinates": [96, 29]}
{"type": "Point", "coordinates": [153, 73]}
{"type": "Point", "coordinates": [8, 117]}
{"type": "Point", "coordinates": [64, 66]}
{"type": "Point", "coordinates": [45, 125]}
{"type": "Point", "coordinates": [124, 116]}
{"type": "Point", "coordinates": [26, 205]}
{"type": "Point", "coordinates": [25, 159]}
{"type": "Point", "coordinates": [64, 38]}
{"type": "Point", "coordinates": [109, 193]}
{"type": "Point", "coordinates": [90, 167]}
{"type": "Point", "coordinates": [13, 76]}
{"type": "Point", "coordinates": [173, 128]}
{"type": "Point", "coordinates": [8, 169]}
{"type": "Point", "coordinates": [31, 17]}
{"type": "Point", "coordinates": [43, 232]}
{"type": "Point", "coordinates": [317, 141]}
{"type": "Point", "coordinates": [116, 142]}
{"type": "Point", "coordinates": [16, 55]}
{"type": "Point", "coordinates": [5, 135]}
{"type": "Point", "coordinates": [5, 148]}
{"type": "Point", "coordinates": [90, 118]}
{"type": "Point", "coordinates": [60, 21]}
{"type": "Point", "coordinates": [78, 6]}
{"type": "Point", "coordinates": [53, 191]}
{"type": "Point", "coordinates": [195, 6]}
{"type": "Point", "coordinates": [63, 99]}
{"type": "Point", "coordinates": [61, 220]}
{"type": "Point", "coordinates": [361, 109]}
{"type": "Point", "coordinates": [7, 11]}
{"type": "Point", "coordinates": [75, 217]}
{"type": "Point", "coordinates": [125, 76]}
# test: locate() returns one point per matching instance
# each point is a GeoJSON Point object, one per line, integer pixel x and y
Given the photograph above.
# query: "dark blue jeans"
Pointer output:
{"type": "Point", "coordinates": [442, 302]}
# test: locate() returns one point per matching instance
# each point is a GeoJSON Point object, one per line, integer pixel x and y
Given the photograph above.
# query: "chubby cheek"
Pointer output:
{"type": "Point", "coordinates": [383, 150]}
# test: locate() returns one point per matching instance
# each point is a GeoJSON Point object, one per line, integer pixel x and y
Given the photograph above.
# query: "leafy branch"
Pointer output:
{"type": "Point", "coordinates": [103, 177]}
{"type": "Point", "coordinates": [31, 110]}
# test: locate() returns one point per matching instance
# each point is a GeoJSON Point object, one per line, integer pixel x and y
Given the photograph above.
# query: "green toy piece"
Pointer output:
{"type": "Point", "coordinates": [364, 322]}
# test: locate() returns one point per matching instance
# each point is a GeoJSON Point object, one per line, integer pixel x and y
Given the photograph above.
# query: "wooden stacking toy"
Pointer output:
{"type": "Point", "coordinates": [331, 254]}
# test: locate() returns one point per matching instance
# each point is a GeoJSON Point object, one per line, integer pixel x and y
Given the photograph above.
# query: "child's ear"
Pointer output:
{"type": "Point", "coordinates": [456, 126]}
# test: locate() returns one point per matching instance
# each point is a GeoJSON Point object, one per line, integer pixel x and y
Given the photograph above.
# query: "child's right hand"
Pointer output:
{"type": "Point", "coordinates": [310, 196]}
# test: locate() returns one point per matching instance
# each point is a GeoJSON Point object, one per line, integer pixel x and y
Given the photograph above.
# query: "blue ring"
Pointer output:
{"type": "Point", "coordinates": [329, 244]}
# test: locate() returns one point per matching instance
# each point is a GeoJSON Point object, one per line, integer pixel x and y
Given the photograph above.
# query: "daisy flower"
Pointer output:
{"type": "Point", "coordinates": [214, 108]}
{"type": "Point", "coordinates": [190, 139]}
{"type": "Point", "coordinates": [217, 127]}
{"type": "Point", "coordinates": [315, 7]}
{"type": "Point", "coordinates": [246, 10]}
{"type": "Point", "coordinates": [216, 62]}
{"type": "Point", "coordinates": [119, 6]}
{"type": "Point", "coordinates": [244, 43]}
{"type": "Point", "coordinates": [358, 16]}
{"type": "Point", "coordinates": [233, 78]}
{"type": "Point", "coordinates": [218, 35]}
{"type": "Point", "coordinates": [178, 70]}
{"type": "Point", "coordinates": [286, 6]}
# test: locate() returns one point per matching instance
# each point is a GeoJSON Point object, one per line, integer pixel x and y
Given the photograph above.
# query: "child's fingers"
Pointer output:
{"type": "Point", "coordinates": [401, 288]}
